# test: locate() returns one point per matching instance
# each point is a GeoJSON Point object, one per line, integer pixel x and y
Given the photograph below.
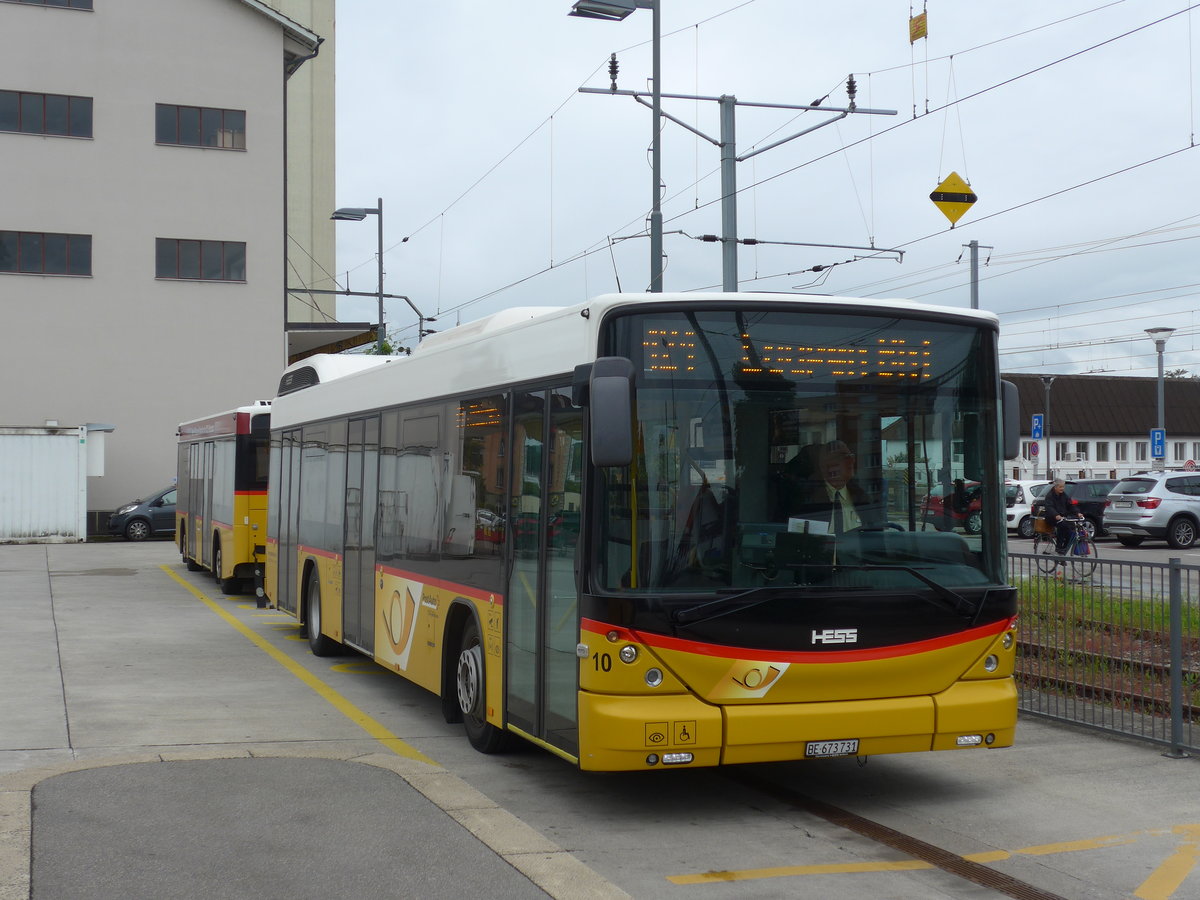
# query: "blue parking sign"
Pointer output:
{"type": "Point", "coordinates": [1036, 430]}
{"type": "Point", "coordinates": [1158, 443]}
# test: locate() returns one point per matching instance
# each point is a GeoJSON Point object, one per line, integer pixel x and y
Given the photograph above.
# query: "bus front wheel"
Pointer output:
{"type": "Point", "coordinates": [227, 585]}
{"type": "Point", "coordinates": [318, 643]}
{"type": "Point", "coordinates": [471, 683]}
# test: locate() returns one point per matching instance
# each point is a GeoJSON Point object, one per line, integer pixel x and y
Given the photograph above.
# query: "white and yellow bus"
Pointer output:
{"type": "Point", "coordinates": [580, 526]}
{"type": "Point", "coordinates": [221, 511]}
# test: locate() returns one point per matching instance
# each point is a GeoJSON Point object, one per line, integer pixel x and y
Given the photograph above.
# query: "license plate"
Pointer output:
{"type": "Point", "coordinates": [1124, 504]}
{"type": "Point", "coordinates": [830, 748]}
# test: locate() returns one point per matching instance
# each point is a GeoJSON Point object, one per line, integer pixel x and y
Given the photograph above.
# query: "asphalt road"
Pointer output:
{"type": "Point", "coordinates": [191, 738]}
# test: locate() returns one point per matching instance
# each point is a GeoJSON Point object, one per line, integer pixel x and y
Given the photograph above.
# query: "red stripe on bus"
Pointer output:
{"type": "Point", "coordinates": [797, 656]}
{"type": "Point", "coordinates": [249, 493]}
{"type": "Point", "coordinates": [472, 592]}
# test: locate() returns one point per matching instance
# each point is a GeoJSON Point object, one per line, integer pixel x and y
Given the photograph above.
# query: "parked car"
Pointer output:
{"type": "Point", "coordinates": [1161, 505]}
{"type": "Point", "coordinates": [1087, 496]}
{"type": "Point", "coordinates": [1091, 496]}
{"type": "Point", "coordinates": [964, 511]}
{"type": "Point", "coordinates": [140, 519]}
{"type": "Point", "coordinates": [1018, 503]}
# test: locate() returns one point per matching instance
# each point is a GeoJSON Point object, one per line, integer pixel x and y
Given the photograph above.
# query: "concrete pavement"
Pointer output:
{"type": "Point", "coordinates": [123, 775]}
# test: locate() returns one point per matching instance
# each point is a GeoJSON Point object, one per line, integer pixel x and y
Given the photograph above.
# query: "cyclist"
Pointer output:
{"type": "Point", "coordinates": [1058, 509]}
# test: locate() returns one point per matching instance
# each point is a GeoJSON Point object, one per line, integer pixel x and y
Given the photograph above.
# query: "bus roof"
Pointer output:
{"type": "Point", "coordinates": [541, 342]}
{"type": "Point", "coordinates": [231, 421]}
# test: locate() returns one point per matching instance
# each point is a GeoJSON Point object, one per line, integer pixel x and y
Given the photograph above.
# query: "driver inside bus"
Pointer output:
{"type": "Point", "coordinates": [833, 496]}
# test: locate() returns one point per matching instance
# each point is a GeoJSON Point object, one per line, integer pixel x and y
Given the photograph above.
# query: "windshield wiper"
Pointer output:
{"type": "Point", "coordinates": [714, 608]}
{"type": "Point", "coordinates": [951, 600]}
{"type": "Point", "coordinates": [954, 601]}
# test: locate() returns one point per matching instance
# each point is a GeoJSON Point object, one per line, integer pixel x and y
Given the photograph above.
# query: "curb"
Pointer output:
{"type": "Point", "coordinates": [543, 862]}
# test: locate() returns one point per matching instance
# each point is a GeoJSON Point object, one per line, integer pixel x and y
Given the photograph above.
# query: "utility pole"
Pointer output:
{"type": "Point", "coordinates": [974, 247]}
{"type": "Point", "coordinates": [1047, 380]}
{"type": "Point", "coordinates": [729, 158]}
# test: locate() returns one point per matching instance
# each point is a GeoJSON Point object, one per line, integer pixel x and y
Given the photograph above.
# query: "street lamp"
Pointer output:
{"type": "Point", "coordinates": [357, 214]}
{"type": "Point", "coordinates": [1047, 380]}
{"type": "Point", "coordinates": [615, 11]}
{"type": "Point", "coordinates": [1160, 336]}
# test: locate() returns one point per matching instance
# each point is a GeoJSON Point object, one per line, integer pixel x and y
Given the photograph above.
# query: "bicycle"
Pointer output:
{"type": "Point", "coordinates": [1079, 557]}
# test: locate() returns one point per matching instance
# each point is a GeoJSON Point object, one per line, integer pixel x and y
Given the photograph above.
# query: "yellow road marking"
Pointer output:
{"type": "Point", "coordinates": [904, 865]}
{"type": "Point", "coordinates": [1166, 879]}
{"type": "Point", "coordinates": [1161, 885]}
{"type": "Point", "coordinates": [359, 668]}
{"type": "Point", "coordinates": [336, 700]}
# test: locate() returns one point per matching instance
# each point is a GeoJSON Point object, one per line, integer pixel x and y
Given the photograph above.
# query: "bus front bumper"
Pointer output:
{"type": "Point", "coordinates": [623, 733]}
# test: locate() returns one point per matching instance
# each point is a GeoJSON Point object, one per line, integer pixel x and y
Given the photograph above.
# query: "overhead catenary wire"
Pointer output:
{"type": "Point", "coordinates": [583, 255]}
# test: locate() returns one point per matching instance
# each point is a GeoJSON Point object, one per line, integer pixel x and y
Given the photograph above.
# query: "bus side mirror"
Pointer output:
{"type": "Point", "coordinates": [610, 406]}
{"type": "Point", "coordinates": [1010, 406]}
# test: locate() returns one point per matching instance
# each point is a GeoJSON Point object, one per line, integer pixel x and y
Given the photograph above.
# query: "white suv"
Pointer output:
{"type": "Point", "coordinates": [1163, 505]}
{"type": "Point", "coordinates": [1018, 497]}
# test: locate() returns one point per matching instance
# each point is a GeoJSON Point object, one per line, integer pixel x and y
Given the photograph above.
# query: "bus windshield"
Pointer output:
{"type": "Point", "coordinates": [821, 448]}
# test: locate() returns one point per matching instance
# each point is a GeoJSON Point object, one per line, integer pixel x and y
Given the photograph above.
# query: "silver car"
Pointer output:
{"type": "Point", "coordinates": [1162, 505]}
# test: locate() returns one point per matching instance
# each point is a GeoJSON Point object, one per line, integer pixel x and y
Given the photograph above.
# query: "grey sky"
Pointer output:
{"type": "Point", "coordinates": [467, 122]}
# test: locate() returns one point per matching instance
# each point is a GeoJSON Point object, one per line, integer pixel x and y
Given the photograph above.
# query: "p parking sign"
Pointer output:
{"type": "Point", "coordinates": [1158, 443]}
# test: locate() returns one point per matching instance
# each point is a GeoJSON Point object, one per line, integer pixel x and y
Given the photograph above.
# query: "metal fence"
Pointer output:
{"type": "Point", "coordinates": [1111, 645]}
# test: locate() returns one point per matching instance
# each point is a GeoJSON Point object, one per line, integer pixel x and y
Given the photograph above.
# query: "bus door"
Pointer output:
{"type": "Point", "coordinates": [195, 503]}
{"type": "Point", "coordinates": [542, 608]}
{"type": "Point", "coordinates": [287, 592]}
{"type": "Point", "coordinates": [358, 570]}
{"type": "Point", "coordinates": [203, 539]}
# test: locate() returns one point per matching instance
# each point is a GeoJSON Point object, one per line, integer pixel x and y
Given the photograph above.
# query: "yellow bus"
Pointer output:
{"type": "Point", "coordinates": [221, 511]}
{"type": "Point", "coordinates": [591, 527]}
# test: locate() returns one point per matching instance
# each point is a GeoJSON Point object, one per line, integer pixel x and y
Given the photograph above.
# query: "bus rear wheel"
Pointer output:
{"type": "Point", "coordinates": [192, 565]}
{"type": "Point", "coordinates": [319, 644]}
{"type": "Point", "coordinates": [471, 684]}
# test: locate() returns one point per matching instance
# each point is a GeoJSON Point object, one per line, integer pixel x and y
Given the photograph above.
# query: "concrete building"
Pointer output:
{"type": "Point", "coordinates": [1099, 425]}
{"type": "Point", "coordinates": [142, 231]}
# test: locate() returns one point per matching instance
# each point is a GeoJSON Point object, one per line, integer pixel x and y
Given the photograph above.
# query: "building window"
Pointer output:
{"type": "Point", "coordinates": [197, 126]}
{"type": "Point", "coordinates": [1180, 450]}
{"type": "Point", "coordinates": [1122, 451]}
{"type": "Point", "coordinates": [1025, 451]}
{"type": "Point", "coordinates": [1195, 450]}
{"type": "Point", "coordinates": [44, 253]}
{"type": "Point", "coordinates": [1060, 450]}
{"type": "Point", "coordinates": [1081, 450]}
{"type": "Point", "coordinates": [200, 260]}
{"type": "Point", "coordinates": [55, 114]}
{"type": "Point", "coordinates": [1101, 451]}
{"type": "Point", "coordinates": [1143, 450]}
{"type": "Point", "coordinates": [65, 4]}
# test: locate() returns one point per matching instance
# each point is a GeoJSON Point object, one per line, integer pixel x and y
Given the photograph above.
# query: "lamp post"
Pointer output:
{"type": "Point", "coordinates": [1047, 380]}
{"type": "Point", "coordinates": [357, 214]}
{"type": "Point", "coordinates": [1160, 336]}
{"type": "Point", "coordinates": [615, 11]}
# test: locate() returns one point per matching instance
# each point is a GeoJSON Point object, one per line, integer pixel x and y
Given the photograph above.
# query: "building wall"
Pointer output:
{"type": "Point", "coordinates": [310, 152]}
{"type": "Point", "coordinates": [1100, 456]}
{"type": "Point", "coordinates": [122, 346]}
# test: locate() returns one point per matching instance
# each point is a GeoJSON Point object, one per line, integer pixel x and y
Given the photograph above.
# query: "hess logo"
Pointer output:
{"type": "Point", "coordinates": [836, 636]}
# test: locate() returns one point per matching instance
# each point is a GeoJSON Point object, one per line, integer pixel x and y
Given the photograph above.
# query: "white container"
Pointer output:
{"type": "Point", "coordinates": [43, 481]}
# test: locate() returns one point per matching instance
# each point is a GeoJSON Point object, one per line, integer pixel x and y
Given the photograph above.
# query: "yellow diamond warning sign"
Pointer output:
{"type": "Point", "coordinates": [953, 197]}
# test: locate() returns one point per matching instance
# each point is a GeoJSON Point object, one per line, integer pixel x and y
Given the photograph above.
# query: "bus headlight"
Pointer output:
{"type": "Point", "coordinates": [991, 663]}
{"type": "Point", "coordinates": [654, 677]}
{"type": "Point", "coordinates": [1008, 640]}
